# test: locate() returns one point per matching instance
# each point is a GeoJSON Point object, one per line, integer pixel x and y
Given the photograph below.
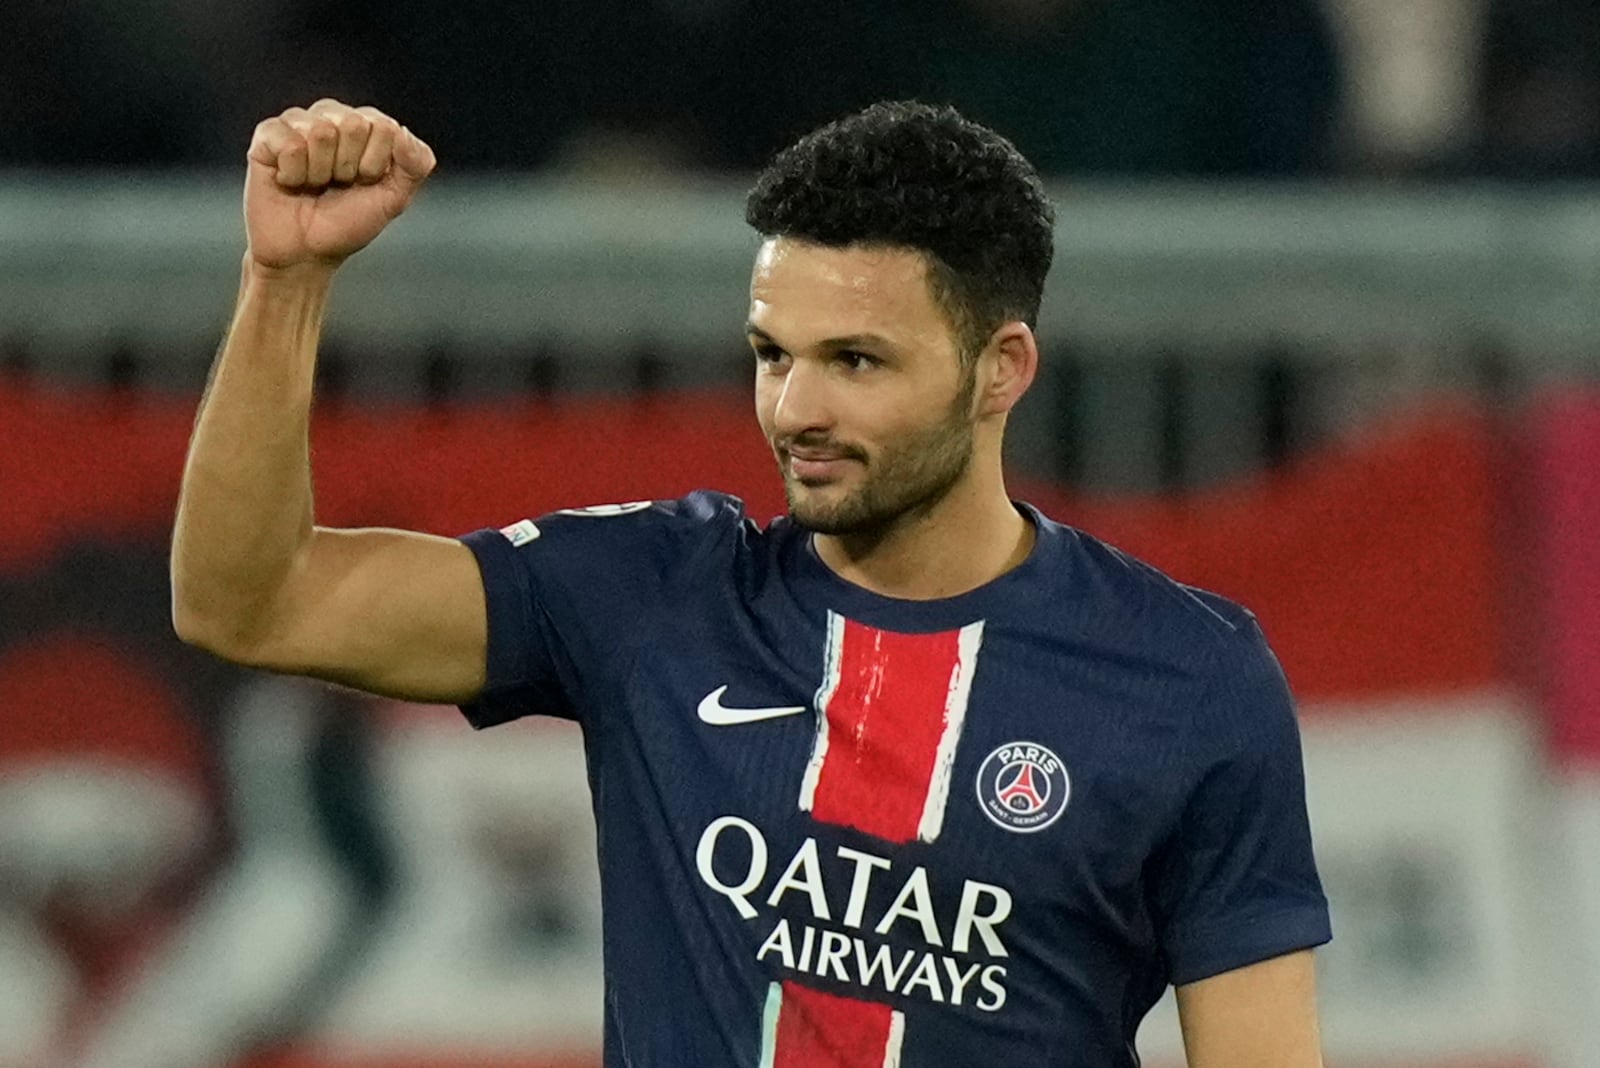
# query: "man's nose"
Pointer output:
{"type": "Point", "coordinates": [802, 401]}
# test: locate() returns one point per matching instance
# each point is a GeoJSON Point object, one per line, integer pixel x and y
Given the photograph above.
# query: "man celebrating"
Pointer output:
{"type": "Point", "coordinates": [913, 776]}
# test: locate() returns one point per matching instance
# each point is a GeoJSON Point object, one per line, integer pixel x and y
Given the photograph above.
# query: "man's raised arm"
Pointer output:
{"type": "Point", "coordinates": [253, 578]}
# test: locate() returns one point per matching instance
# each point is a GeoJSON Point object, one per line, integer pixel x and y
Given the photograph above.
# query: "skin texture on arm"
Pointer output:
{"type": "Point", "coordinates": [254, 580]}
{"type": "Point", "coordinates": [1260, 1016]}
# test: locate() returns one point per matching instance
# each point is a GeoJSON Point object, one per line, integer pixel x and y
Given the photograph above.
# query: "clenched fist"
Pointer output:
{"type": "Point", "coordinates": [324, 181]}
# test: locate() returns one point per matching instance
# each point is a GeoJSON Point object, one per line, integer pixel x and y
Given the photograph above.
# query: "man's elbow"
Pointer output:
{"type": "Point", "coordinates": [199, 623]}
{"type": "Point", "coordinates": [194, 627]}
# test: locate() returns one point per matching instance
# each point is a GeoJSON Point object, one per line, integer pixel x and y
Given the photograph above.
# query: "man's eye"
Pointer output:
{"type": "Point", "coordinates": [768, 353]}
{"type": "Point", "coordinates": [857, 361]}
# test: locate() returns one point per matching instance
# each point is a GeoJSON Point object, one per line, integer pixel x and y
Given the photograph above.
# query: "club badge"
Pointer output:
{"type": "Point", "coordinates": [1022, 786]}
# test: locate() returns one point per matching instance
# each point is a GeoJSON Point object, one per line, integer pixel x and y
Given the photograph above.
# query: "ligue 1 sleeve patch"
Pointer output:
{"type": "Point", "coordinates": [1023, 787]}
{"type": "Point", "coordinates": [521, 532]}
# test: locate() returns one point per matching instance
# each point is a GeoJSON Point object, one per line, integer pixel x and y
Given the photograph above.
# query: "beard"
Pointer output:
{"type": "Point", "coordinates": [907, 479]}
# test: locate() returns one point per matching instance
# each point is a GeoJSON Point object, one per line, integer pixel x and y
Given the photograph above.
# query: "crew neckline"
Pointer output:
{"type": "Point", "coordinates": [816, 582]}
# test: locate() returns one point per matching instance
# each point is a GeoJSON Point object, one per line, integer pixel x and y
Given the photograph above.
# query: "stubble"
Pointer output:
{"type": "Point", "coordinates": [904, 481]}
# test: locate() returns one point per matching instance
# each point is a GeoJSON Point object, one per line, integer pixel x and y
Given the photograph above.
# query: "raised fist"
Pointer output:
{"type": "Point", "coordinates": [324, 181]}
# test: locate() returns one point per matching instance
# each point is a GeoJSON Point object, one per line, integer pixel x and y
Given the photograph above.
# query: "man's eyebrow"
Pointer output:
{"type": "Point", "coordinates": [849, 341]}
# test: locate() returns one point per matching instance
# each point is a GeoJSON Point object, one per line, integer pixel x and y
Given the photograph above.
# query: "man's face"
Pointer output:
{"type": "Point", "coordinates": [860, 385]}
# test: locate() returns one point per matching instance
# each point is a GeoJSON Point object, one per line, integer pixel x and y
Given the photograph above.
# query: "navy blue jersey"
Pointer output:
{"type": "Point", "coordinates": [848, 830]}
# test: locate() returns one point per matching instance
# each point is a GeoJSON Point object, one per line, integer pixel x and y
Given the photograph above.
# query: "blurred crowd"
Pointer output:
{"type": "Point", "coordinates": [1255, 88]}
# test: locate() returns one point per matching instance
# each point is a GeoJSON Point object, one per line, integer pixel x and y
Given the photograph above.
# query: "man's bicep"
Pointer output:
{"type": "Point", "coordinates": [390, 612]}
{"type": "Point", "coordinates": [1260, 1016]}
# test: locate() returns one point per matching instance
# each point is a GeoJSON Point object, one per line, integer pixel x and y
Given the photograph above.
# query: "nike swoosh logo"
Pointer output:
{"type": "Point", "coordinates": [714, 712]}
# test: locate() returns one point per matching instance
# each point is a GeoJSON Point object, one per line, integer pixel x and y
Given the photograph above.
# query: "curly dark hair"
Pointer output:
{"type": "Point", "coordinates": [926, 178]}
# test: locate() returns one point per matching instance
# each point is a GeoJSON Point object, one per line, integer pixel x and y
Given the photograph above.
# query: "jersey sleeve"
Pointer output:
{"type": "Point", "coordinates": [571, 595]}
{"type": "Point", "coordinates": [1237, 883]}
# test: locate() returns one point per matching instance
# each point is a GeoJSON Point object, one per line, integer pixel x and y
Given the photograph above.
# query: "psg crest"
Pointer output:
{"type": "Point", "coordinates": [1023, 787]}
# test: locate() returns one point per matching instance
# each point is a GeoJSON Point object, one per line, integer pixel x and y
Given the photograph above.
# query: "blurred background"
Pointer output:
{"type": "Point", "coordinates": [1322, 335]}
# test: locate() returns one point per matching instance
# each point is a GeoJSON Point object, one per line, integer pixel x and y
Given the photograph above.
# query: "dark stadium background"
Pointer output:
{"type": "Point", "coordinates": [1323, 335]}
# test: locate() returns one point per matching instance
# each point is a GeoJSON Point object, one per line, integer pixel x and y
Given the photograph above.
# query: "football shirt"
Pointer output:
{"type": "Point", "coordinates": [843, 829]}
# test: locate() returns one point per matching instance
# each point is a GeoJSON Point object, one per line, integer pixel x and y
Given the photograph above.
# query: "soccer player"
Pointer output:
{"type": "Point", "coordinates": [913, 776]}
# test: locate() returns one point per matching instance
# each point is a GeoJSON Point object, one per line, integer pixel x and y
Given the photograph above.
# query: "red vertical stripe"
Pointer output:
{"type": "Point", "coordinates": [885, 719]}
{"type": "Point", "coordinates": [817, 1030]}
{"type": "Point", "coordinates": [888, 703]}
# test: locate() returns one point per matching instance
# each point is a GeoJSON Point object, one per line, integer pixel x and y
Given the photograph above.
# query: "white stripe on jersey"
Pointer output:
{"type": "Point", "coordinates": [897, 1034]}
{"type": "Point", "coordinates": [830, 683]}
{"type": "Point", "coordinates": [769, 1024]}
{"type": "Point", "coordinates": [955, 714]}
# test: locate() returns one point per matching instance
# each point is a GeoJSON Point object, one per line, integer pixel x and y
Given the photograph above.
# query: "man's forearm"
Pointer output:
{"type": "Point", "coordinates": [245, 508]}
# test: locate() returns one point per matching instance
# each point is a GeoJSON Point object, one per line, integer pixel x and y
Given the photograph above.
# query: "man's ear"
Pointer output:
{"type": "Point", "coordinates": [1007, 368]}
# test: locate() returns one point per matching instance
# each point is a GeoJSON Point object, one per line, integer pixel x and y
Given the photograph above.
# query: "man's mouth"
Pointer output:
{"type": "Point", "coordinates": [814, 466]}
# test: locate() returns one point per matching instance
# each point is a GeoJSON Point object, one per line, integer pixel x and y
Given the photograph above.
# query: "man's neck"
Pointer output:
{"type": "Point", "coordinates": [971, 537]}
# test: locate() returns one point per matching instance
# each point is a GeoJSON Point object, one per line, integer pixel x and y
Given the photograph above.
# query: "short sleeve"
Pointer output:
{"type": "Point", "coordinates": [1237, 883]}
{"type": "Point", "coordinates": [570, 596]}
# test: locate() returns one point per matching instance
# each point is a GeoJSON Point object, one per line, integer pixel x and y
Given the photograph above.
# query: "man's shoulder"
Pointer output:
{"type": "Point", "coordinates": [700, 513]}
{"type": "Point", "coordinates": [647, 536]}
{"type": "Point", "coordinates": [1168, 630]}
{"type": "Point", "coordinates": [706, 508]}
{"type": "Point", "coordinates": [1128, 592]}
